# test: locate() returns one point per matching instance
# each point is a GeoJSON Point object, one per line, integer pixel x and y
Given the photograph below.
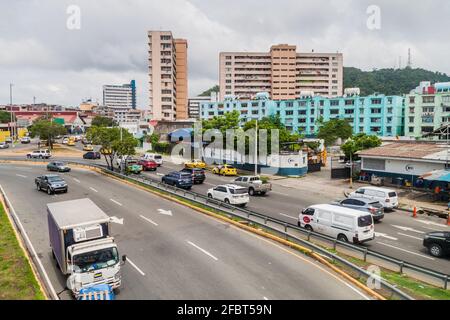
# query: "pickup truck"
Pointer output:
{"type": "Point", "coordinates": [51, 183]}
{"type": "Point", "coordinates": [254, 184]}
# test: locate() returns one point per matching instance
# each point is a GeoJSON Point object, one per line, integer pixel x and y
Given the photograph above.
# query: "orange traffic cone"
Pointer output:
{"type": "Point", "coordinates": [415, 212]}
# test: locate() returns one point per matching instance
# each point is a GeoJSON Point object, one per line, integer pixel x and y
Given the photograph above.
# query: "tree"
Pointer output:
{"type": "Point", "coordinates": [47, 130]}
{"type": "Point", "coordinates": [207, 93]}
{"type": "Point", "coordinates": [100, 121]}
{"type": "Point", "coordinates": [112, 145]}
{"type": "Point", "coordinates": [5, 117]}
{"type": "Point", "coordinates": [332, 130]}
{"type": "Point", "coordinates": [359, 142]}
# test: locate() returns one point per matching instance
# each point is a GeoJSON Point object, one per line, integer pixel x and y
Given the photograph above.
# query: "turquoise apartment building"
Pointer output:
{"type": "Point", "coordinates": [375, 115]}
{"type": "Point", "coordinates": [427, 108]}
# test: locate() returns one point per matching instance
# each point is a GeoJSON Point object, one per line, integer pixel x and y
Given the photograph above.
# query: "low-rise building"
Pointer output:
{"type": "Point", "coordinates": [195, 102]}
{"type": "Point", "coordinates": [377, 114]}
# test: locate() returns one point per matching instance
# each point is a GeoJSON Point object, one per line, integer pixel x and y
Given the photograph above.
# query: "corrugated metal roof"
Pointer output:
{"type": "Point", "coordinates": [407, 150]}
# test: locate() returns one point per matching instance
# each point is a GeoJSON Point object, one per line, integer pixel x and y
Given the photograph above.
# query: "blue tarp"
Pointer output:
{"type": "Point", "coordinates": [97, 292]}
{"type": "Point", "coordinates": [437, 175]}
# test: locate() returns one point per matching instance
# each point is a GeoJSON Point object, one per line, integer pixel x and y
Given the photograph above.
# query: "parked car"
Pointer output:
{"type": "Point", "coordinates": [372, 206]}
{"type": "Point", "coordinates": [196, 163]}
{"type": "Point", "coordinates": [41, 154]}
{"type": "Point", "coordinates": [51, 183]}
{"type": "Point", "coordinates": [387, 197]}
{"type": "Point", "coordinates": [65, 140]}
{"type": "Point", "coordinates": [198, 175]}
{"type": "Point", "coordinates": [153, 157]}
{"type": "Point", "coordinates": [8, 140]}
{"type": "Point", "coordinates": [148, 165]}
{"type": "Point", "coordinates": [71, 142]}
{"type": "Point", "coordinates": [85, 141]}
{"type": "Point", "coordinates": [230, 194]}
{"type": "Point", "coordinates": [88, 147]}
{"type": "Point", "coordinates": [133, 166]}
{"type": "Point", "coordinates": [92, 155]}
{"type": "Point", "coordinates": [4, 145]}
{"type": "Point", "coordinates": [25, 140]}
{"type": "Point", "coordinates": [437, 243]}
{"type": "Point", "coordinates": [58, 166]}
{"type": "Point", "coordinates": [178, 179]}
{"type": "Point", "coordinates": [343, 224]}
{"type": "Point", "coordinates": [225, 170]}
{"type": "Point", "coordinates": [254, 185]}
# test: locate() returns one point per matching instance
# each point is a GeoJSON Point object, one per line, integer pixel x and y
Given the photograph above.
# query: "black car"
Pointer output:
{"type": "Point", "coordinates": [437, 243]}
{"type": "Point", "coordinates": [51, 183]}
{"type": "Point", "coordinates": [198, 175]}
{"type": "Point", "coordinates": [92, 155]}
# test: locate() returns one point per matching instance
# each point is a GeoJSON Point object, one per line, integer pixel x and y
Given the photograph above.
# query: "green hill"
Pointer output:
{"type": "Point", "coordinates": [389, 81]}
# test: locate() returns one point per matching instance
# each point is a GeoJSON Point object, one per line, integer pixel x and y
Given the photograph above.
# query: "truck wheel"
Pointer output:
{"type": "Point", "coordinates": [251, 191]}
{"type": "Point", "coordinates": [342, 238]}
{"type": "Point", "coordinates": [49, 191]}
{"type": "Point", "coordinates": [210, 195]}
{"type": "Point", "coordinates": [435, 250]}
{"type": "Point", "coordinates": [227, 201]}
{"type": "Point", "coordinates": [309, 228]}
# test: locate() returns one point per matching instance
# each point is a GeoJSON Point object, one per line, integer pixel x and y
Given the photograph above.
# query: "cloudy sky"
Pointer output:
{"type": "Point", "coordinates": [47, 60]}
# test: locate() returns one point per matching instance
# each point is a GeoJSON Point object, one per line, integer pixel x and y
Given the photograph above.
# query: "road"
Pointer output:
{"type": "Point", "coordinates": [398, 235]}
{"type": "Point", "coordinates": [174, 252]}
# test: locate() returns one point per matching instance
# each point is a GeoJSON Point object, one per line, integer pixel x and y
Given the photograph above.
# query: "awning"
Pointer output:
{"type": "Point", "coordinates": [437, 175]}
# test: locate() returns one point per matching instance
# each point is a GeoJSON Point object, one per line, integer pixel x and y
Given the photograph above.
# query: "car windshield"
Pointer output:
{"type": "Point", "coordinates": [59, 164]}
{"type": "Point", "coordinates": [185, 176]}
{"type": "Point", "coordinates": [54, 179]}
{"type": "Point", "coordinates": [238, 191]}
{"type": "Point", "coordinates": [95, 260]}
{"type": "Point", "coordinates": [364, 221]}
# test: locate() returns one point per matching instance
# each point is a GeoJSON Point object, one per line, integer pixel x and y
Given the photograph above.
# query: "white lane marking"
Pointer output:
{"type": "Point", "coordinates": [136, 267]}
{"type": "Point", "coordinates": [288, 216]}
{"type": "Point", "coordinates": [383, 235]}
{"type": "Point", "coordinates": [93, 189]}
{"type": "Point", "coordinates": [148, 220]}
{"type": "Point", "coordinates": [116, 202]}
{"type": "Point", "coordinates": [165, 212]}
{"type": "Point", "coordinates": [401, 249]}
{"type": "Point", "coordinates": [21, 175]}
{"type": "Point", "coordinates": [159, 174]}
{"type": "Point", "coordinates": [76, 180]}
{"type": "Point", "coordinates": [210, 184]}
{"type": "Point", "coordinates": [407, 229]}
{"type": "Point", "coordinates": [407, 235]}
{"type": "Point", "coordinates": [116, 220]}
{"type": "Point", "coordinates": [202, 250]}
{"type": "Point", "coordinates": [433, 224]}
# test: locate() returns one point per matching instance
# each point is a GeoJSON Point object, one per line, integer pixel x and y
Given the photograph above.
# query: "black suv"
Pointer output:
{"type": "Point", "coordinates": [437, 243]}
{"type": "Point", "coordinates": [198, 175]}
{"type": "Point", "coordinates": [51, 183]}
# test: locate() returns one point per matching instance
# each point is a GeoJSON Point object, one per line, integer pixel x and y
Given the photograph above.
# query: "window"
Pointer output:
{"type": "Point", "coordinates": [374, 164]}
{"type": "Point", "coordinates": [412, 99]}
{"type": "Point", "coordinates": [349, 102]}
{"type": "Point", "coordinates": [334, 111]}
{"type": "Point", "coordinates": [411, 119]}
{"type": "Point", "coordinates": [411, 129]}
{"type": "Point", "coordinates": [334, 102]}
{"type": "Point", "coordinates": [376, 101]}
{"type": "Point", "coordinates": [289, 113]}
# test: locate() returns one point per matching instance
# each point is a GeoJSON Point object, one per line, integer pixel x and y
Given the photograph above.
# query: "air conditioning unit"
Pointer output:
{"type": "Point", "coordinates": [87, 233]}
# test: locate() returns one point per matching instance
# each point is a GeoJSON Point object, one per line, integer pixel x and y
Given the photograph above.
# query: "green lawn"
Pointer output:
{"type": "Point", "coordinates": [17, 281]}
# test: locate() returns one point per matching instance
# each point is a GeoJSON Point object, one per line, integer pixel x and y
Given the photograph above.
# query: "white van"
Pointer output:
{"type": "Point", "coordinates": [387, 197]}
{"type": "Point", "coordinates": [341, 223]}
{"type": "Point", "coordinates": [153, 156]}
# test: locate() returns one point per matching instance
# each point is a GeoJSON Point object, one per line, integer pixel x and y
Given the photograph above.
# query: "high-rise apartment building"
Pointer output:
{"type": "Point", "coordinates": [120, 96]}
{"type": "Point", "coordinates": [283, 72]}
{"type": "Point", "coordinates": [168, 76]}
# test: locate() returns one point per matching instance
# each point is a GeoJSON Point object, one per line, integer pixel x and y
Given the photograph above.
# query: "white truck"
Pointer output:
{"type": "Point", "coordinates": [81, 243]}
{"type": "Point", "coordinates": [254, 184]}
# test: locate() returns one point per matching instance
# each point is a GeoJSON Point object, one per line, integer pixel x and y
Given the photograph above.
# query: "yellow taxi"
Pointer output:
{"type": "Point", "coordinates": [196, 163]}
{"type": "Point", "coordinates": [225, 170]}
{"type": "Point", "coordinates": [105, 151]}
{"type": "Point", "coordinates": [71, 142]}
{"type": "Point", "coordinates": [88, 147]}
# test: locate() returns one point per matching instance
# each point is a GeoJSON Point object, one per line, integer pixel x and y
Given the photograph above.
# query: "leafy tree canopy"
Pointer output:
{"type": "Point", "coordinates": [207, 93]}
{"type": "Point", "coordinates": [332, 130]}
{"type": "Point", "coordinates": [360, 142]}
{"type": "Point", "coordinates": [5, 117]}
{"type": "Point", "coordinates": [46, 130]}
{"type": "Point", "coordinates": [101, 121]}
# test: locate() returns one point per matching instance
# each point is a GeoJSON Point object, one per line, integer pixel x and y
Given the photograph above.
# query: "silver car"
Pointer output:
{"type": "Point", "coordinates": [374, 207]}
{"type": "Point", "coordinates": [4, 145]}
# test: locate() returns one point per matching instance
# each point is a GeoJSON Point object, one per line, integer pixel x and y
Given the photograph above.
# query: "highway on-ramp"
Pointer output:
{"type": "Point", "coordinates": [173, 252]}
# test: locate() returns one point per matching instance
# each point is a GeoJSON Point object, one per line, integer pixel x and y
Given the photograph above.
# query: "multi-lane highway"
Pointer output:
{"type": "Point", "coordinates": [174, 252]}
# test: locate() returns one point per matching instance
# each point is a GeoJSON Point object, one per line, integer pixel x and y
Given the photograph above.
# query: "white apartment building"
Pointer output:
{"type": "Point", "coordinates": [194, 104]}
{"type": "Point", "coordinates": [120, 96]}
{"type": "Point", "coordinates": [283, 72]}
{"type": "Point", "coordinates": [167, 76]}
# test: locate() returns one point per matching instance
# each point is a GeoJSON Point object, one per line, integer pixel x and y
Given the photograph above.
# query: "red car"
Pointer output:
{"type": "Point", "coordinates": [148, 165]}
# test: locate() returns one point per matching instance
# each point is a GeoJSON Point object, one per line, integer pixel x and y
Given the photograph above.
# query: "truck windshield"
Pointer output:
{"type": "Point", "coordinates": [95, 260]}
{"type": "Point", "coordinates": [55, 179]}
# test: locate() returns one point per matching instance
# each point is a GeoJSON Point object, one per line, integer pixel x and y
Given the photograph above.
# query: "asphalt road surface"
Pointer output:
{"type": "Point", "coordinates": [174, 252]}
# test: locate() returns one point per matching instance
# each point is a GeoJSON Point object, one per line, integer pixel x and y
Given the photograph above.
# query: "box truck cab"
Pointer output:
{"type": "Point", "coordinates": [340, 223]}
{"type": "Point", "coordinates": [81, 243]}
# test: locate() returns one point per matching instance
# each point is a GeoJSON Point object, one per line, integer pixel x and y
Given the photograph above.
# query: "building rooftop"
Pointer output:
{"type": "Point", "coordinates": [409, 150]}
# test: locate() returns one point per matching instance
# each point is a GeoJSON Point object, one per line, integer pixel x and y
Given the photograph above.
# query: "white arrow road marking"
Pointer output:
{"type": "Point", "coordinates": [407, 229]}
{"type": "Point", "coordinates": [288, 216]}
{"type": "Point", "coordinates": [118, 203]}
{"type": "Point", "coordinates": [116, 220]}
{"type": "Point", "coordinates": [202, 250]}
{"type": "Point", "coordinates": [407, 235]}
{"type": "Point", "coordinates": [159, 174]}
{"type": "Point", "coordinates": [401, 249]}
{"type": "Point", "coordinates": [165, 212]}
{"type": "Point", "coordinates": [148, 220]}
{"type": "Point", "coordinates": [384, 235]}
{"type": "Point", "coordinates": [76, 180]}
{"type": "Point", "coordinates": [433, 223]}
{"type": "Point", "coordinates": [135, 266]}
{"type": "Point", "coordinates": [20, 175]}
{"type": "Point", "coordinates": [93, 189]}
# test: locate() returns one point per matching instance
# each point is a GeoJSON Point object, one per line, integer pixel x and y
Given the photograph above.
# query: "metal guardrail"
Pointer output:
{"type": "Point", "coordinates": [270, 224]}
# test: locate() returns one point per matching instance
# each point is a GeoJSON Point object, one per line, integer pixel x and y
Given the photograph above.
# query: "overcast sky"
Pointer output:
{"type": "Point", "coordinates": [58, 65]}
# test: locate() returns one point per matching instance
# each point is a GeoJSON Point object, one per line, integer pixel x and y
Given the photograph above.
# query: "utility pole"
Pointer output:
{"type": "Point", "coordinates": [11, 114]}
{"type": "Point", "coordinates": [256, 149]}
{"type": "Point", "coordinates": [351, 170]}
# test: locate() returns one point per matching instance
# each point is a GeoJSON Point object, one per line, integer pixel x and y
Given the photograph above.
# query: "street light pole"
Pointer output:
{"type": "Point", "coordinates": [11, 113]}
{"type": "Point", "coordinates": [256, 149]}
